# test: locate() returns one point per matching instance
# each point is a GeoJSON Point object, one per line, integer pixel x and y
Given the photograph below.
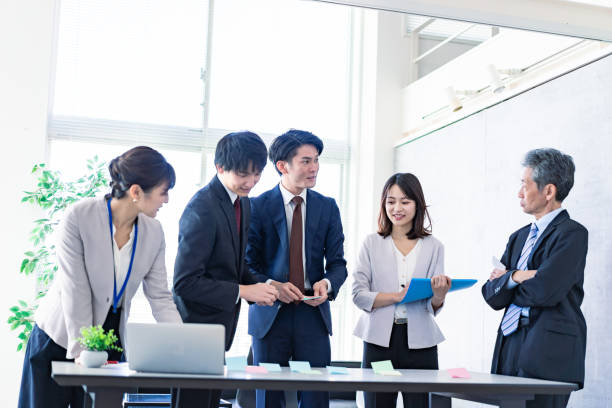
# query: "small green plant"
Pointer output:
{"type": "Point", "coordinates": [94, 338]}
{"type": "Point", "coordinates": [53, 195]}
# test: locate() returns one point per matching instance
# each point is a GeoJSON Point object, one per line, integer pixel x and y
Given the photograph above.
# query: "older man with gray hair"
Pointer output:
{"type": "Point", "coordinates": [543, 332]}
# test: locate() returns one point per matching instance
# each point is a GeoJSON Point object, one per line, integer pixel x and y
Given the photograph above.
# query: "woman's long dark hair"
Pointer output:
{"type": "Point", "coordinates": [411, 187]}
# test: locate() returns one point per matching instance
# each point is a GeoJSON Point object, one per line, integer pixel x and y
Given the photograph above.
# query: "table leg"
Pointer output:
{"type": "Point", "coordinates": [105, 397]}
{"type": "Point", "coordinates": [439, 401]}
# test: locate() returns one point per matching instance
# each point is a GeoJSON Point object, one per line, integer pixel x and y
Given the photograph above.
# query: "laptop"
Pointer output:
{"type": "Point", "coordinates": [188, 348]}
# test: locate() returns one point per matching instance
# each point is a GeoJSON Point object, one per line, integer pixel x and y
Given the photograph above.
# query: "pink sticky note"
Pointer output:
{"type": "Point", "coordinates": [458, 373]}
{"type": "Point", "coordinates": [256, 369]}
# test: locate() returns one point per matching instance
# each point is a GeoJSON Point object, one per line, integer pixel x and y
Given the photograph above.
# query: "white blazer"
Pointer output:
{"type": "Point", "coordinates": [82, 291]}
{"type": "Point", "coordinates": [376, 271]}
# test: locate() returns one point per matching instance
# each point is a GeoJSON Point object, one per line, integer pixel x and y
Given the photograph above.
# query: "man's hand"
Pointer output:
{"type": "Point", "coordinates": [287, 292]}
{"type": "Point", "coordinates": [319, 289]}
{"type": "Point", "coordinates": [521, 276]}
{"type": "Point", "coordinates": [260, 293]}
{"type": "Point", "coordinates": [497, 273]}
{"type": "Point", "coordinates": [440, 284]}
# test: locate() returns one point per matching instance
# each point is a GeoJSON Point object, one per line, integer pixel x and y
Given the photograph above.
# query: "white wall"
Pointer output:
{"type": "Point", "coordinates": [470, 171]}
{"type": "Point", "coordinates": [26, 29]}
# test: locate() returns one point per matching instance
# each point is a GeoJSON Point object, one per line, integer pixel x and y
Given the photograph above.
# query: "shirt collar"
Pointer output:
{"type": "Point", "coordinates": [288, 196]}
{"type": "Point", "coordinates": [230, 193]}
{"type": "Point", "coordinates": [545, 220]}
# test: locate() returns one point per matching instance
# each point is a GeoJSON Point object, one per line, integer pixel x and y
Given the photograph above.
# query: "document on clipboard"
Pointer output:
{"type": "Point", "coordinates": [421, 288]}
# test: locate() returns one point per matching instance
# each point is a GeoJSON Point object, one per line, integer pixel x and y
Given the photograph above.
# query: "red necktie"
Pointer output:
{"type": "Point", "coordinates": [296, 262]}
{"type": "Point", "coordinates": [237, 213]}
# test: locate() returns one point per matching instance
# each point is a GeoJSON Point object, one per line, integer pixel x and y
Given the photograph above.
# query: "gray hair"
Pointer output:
{"type": "Point", "coordinates": [550, 166]}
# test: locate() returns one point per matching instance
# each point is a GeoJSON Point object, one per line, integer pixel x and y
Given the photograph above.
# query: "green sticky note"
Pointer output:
{"type": "Point", "coordinates": [379, 366]}
{"type": "Point", "coordinates": [310, 372]}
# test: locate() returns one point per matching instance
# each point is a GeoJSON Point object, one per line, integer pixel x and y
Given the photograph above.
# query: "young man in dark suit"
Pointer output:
{"type": "Point", "coordinates": [210, 276]}
{"type": "Point", "coordinates": [543, 332]}
{"type": "Point", "coordinates": [296, 245]}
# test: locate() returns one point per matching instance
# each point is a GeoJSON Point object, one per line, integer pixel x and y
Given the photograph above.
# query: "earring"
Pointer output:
{"type": "Point", "coordinates": [134, 200]}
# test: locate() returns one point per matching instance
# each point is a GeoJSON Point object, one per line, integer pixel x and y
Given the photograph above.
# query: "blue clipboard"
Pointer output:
{"type": "Point", "coordinates": [421, 288]}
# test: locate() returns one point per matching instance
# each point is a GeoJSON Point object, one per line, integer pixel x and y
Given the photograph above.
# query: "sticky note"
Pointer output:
{"type": "Point", "coordinates": [299, 366]}
{"type": "Point", "coordinates": [311, 372]}
{"type": "Point", "coordinates": [271, 367]}
{"type": "Point", "coordinates": [337, 370]}
{"type": "Point", "coordinates": [256, 370]}
{"type": "Point", "coordinates": [458, 373]}
{"type": "Point", "coordinates": [385, 365]}
{"type": "Point", "coordinates": [236, 363]}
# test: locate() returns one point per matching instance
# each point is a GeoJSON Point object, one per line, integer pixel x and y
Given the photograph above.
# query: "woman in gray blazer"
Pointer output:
{"type": "Point", "coordinates": [106, 248]}
{"type": "Point", "coordinates": [402, 249]}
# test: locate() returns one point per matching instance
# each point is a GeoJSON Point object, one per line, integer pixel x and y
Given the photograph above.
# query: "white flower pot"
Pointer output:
{"type": "Point", "coordinates": [93, 359]}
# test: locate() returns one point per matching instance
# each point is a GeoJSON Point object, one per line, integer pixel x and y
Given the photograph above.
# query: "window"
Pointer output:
{"type": "Point", "coordinates": [136, 73]}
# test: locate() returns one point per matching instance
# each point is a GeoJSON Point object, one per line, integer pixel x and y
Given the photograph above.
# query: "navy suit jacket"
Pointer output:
{"type": "Point", "coordinates": [209, 263]}
{"type": "Point", "coordinates": [267, 253]}
{"type": "Point", "coordinates": [555, 345]}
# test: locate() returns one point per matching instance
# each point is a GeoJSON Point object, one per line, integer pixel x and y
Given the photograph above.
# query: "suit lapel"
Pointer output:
{"type": "Point", "coordinates": [276, 211]}
{"type": "Point", "coordinates": [551, 227]}
{"type": "Point", "coordinates": [228, 211]}
{"type": "Point", "coordinates": [313, 214]}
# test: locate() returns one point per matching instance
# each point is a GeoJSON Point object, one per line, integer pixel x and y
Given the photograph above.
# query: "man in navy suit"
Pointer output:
{"type": "Point", "coordinates": [210, 276]}
{"type": "Point", "coordinates": [543, 332]}
{"type": "Point", "coordinates": [296, 245]}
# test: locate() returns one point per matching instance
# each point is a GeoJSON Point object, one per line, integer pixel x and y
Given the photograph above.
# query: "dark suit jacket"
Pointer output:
{"type": "Point", "coordinates": [555, 345]}
{"type": "Point", "coordinates": [209, 263]}
{"type": "Point", "coordinates": [268, 250]}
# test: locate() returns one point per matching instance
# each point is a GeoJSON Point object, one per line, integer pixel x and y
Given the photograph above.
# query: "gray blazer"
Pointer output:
{"type": "Point", "coordinates": [82, 291]}
{"type": "Point", "coordinates": [376, 271]}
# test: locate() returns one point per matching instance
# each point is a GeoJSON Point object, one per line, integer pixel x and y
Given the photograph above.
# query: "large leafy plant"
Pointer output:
{"type": "Point", "coordinates": [53, 195]}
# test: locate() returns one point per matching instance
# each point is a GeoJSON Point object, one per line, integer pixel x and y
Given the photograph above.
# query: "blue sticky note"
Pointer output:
{"type": "Point", "coordinates": [236, 363]}
{"type": "Point", "coordinates": [271, 367]}
{"type": "Point", "coordinates": [337, 370]}
{"type": "Point", "coordinates": [299, 366]}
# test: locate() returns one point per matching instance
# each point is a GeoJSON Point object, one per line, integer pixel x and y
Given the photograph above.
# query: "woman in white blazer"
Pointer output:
{"type": "Point", "coordinates": [106, 248]}
{"type": "Point", "coordinates": [402, 249]}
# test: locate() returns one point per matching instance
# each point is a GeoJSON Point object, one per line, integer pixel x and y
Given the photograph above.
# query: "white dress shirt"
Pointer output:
{"type": "Point", "coordinates": [122, 259]}
{"type": "Point", "coordinates": [405, 269]}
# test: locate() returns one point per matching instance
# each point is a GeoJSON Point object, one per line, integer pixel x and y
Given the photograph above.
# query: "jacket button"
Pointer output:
{"type": "Point", "coordinates": [107, 300]}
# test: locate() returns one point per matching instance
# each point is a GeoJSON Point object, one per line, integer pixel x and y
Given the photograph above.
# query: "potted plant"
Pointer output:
{"type": "Point", "coordinates": [96, 341]}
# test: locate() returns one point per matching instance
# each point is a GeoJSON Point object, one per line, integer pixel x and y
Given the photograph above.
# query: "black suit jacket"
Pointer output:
{"type": "Point", "coordinates": [209, 262]}
{"type": "Point", "coordinates": [555, 344]}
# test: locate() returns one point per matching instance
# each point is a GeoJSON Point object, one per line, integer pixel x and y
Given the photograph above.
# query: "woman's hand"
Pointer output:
{"type": "Point", "coordinates": [401, 294]}
{"type": "Point", "coordinates": [440, 284]}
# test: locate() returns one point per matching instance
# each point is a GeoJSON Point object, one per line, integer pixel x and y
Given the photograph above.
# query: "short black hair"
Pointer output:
{"type": "Point", "coordinates": [140, 165]}
{"type": "Point", "coordinates": [550, 166]}
{"type": "Point", "coordinates": [286, 145]}
{"type": "Point", "coordinates": [236, 151]}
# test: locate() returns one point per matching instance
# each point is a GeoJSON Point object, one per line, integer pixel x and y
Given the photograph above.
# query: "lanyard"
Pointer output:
{"type": "Point", "coordinates": [116, 297]}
